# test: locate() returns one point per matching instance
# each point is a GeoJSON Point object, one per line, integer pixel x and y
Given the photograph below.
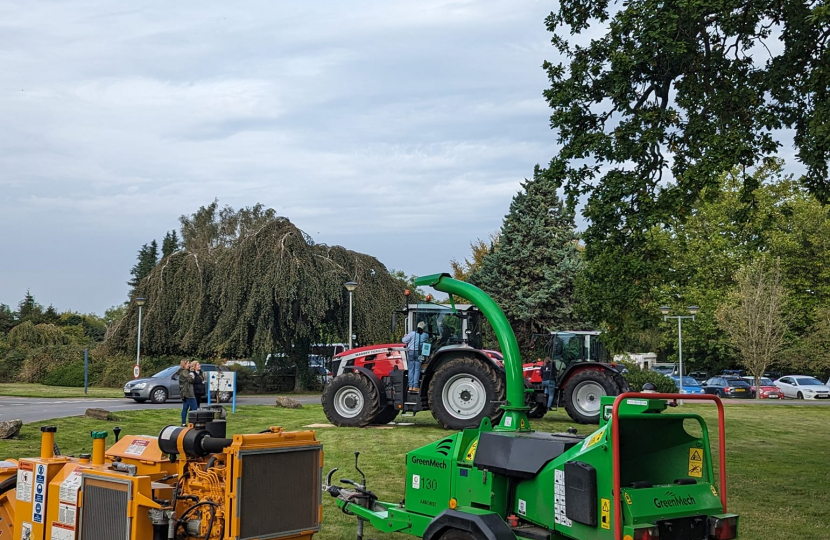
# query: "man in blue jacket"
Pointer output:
{"type": "Point", "coordinates": [414, 342]}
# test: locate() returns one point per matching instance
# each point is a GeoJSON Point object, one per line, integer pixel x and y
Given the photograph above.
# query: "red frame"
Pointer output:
{"type": "Point", "coordinates": [615, 445]}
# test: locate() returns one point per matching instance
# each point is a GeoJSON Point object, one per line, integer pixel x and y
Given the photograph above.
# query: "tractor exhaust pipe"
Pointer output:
{"type": "Point", "coordinates": [515, 412]}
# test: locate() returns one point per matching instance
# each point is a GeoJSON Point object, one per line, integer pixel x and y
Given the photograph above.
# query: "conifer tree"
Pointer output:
{"type": "Point", "coordinates": [147, 259]}
{"type": "Point", "coordinates": [532, 269]}
{"type": "Point", "coordinates": [170, 244]}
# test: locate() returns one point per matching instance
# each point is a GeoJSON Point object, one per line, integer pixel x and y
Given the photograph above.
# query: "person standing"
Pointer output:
{"type": "Point", "coordinates": [198, 383]}
{"type": "Point", "coordinates": [414, 342]}
{"type": "Point", "coordinates": [548, 380]}
{"type": "Point", "coordinates": [186, 389]}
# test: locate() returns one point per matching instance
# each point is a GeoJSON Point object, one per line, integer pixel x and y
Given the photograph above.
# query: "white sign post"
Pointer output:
{"type": "Point", "coordinates": [222, 381]}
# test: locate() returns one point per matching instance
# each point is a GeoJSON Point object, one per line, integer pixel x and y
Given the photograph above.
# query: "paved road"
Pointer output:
{"type": "Point", "coordinates": [37, 409]}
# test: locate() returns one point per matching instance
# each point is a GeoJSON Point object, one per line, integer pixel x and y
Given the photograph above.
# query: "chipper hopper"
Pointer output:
{"type": "Point", "coordinates": [645, 474]}
{"type": "Point", "coordinates": [188, 483]}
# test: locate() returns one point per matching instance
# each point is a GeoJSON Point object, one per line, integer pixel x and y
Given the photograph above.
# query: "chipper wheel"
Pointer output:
{"type": "Point", "coordinates": [583, 391]}
{"type": "Point", "coordinates": [350, 400]}
{"type": "Point", "coordinates": [463, 391]}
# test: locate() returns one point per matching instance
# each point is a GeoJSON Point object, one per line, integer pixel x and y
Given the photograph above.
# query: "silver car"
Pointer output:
{"type": "Point", "coordinates": [164, 385]}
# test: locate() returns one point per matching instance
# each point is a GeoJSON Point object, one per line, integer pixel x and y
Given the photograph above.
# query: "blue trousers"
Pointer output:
{"type": "Point", "coordinates": [549, 391]}
{"type": "Point", "coordinates": [188, 404]}
{"type": "Point", "coordinates": [414, 366]}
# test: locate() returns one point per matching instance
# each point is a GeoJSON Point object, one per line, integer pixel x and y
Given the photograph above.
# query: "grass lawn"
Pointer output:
{"type": "Point", "coordinates": [777, 461]}
{"type": "Point", "coordinates": [44, 391]}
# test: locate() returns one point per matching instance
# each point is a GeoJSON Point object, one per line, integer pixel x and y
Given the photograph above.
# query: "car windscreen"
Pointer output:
{"type": "Point", "coordinates": [766, 382]}
{"type": "Point", "coordinates": [688, 381]}
{"type": "Point", "coordinates": [737, 382]}
{"type": "Point", "coordinates": [808, 381]}
{"type": "Point", "coordinates": [167, 372]}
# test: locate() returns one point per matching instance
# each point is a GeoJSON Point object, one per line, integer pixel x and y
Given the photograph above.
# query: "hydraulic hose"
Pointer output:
{"type": "Point", "coordinates": [515, 417]}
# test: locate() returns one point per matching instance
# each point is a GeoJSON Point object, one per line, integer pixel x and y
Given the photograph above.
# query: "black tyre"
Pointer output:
{"type": "Point", "coordinates": [350, 400]}
{"type": "Point", "coordinates": [464, 391]}
{"type": "Point", "coordinates": [537, 410]}
{"type": "Point", "coordinates": [220, 397]}
{"type": "Point", "coordinates": [386, 415]}
{"type": "Point", "coordinates": [158, 394]}
{"type": "Point", "coordinates": [455, 534]}
{"type": "Point", "coordinates": [622, 383]}
{"type": "Point", "coordinates": [139, 399]}
{"type": "Point", "coordinates": [800, 396]}
{"type": "Point", "coordinates": [582, 394]}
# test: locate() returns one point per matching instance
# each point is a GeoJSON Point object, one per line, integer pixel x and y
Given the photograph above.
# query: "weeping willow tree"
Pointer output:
{"type": "Point", "coordinates": [248, 283]}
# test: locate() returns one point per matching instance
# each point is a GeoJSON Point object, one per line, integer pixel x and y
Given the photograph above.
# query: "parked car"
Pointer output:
{"type": "Point", "coordinates": [700, 376]}
{"type": "Point", "coordinates": [803, 387]}
{"type": "Point", "coordinates": [733, 373]}
{"type": "Point", "coordinates": [728, 387]}
{"type": "Point", "coordinates": [164, 386]}
{"type": "Point", "coordinates": [768, 389]}
{"type": "Point", "coordinates": [690, 386]}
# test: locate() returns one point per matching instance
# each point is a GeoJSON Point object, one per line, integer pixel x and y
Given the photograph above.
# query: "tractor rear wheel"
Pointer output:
{"type": "Point", "coordinates": [464, 391]}
{"type": "Point", "coordinates": [350, 400]}
{"type": "Point", "coordinates": [386, 415]}
{"type": "Point", "coordinates": [583, 391]}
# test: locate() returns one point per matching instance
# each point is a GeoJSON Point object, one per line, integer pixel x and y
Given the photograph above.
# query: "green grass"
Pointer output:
{"type": "Point", "coordinates": [777, 458]}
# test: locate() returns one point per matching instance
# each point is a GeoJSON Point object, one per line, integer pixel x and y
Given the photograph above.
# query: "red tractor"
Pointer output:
{"type": "Point", "coordinates": [461, 382]}
{"type": "Point", "coordinates": [581, 376]}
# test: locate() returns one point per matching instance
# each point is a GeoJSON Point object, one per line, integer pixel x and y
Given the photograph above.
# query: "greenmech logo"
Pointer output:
{"type": "Point", "coordinates": [673, 500]}
{"type": "Point", "coordinates": [429, 462]}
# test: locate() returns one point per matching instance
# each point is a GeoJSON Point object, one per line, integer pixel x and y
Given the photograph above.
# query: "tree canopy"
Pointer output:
{"type": "Point", "coordinates": [249, 282]}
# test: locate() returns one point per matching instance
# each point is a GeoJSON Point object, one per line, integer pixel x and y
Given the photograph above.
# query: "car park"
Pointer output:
{"type": "Point", "coordinates": [803, 387]}
{"type": "Point", "coordinates": [768, 388]}
{"type": "Point", "coordinates": [690, 386]}
{"type": "Point", "coordinates": [700, 376]}
{"type": "Point", "coordinates": [728, 387]}
{"type": "Point", "coordinates": [164, 386]}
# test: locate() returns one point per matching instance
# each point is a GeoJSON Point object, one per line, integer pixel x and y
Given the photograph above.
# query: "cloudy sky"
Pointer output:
{"type": "Point", "coordinates": [399, 129]}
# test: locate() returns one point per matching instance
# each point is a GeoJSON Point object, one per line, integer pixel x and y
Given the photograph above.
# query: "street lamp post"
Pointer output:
{"type": "Point", "coordinates": [350, 286]}
{"type": "Point", "coordinates": [140, 301]}
{"type": "Point", "coordinates": [665, 311]}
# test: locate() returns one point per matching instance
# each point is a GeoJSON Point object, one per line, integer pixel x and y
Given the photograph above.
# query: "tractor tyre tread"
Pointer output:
{"type": "Point", "coordinates": [370, 397]}
{"type": "Point", "coordinates": [488, 376]}
{"type": "Point", "coordinates": [600, 377]}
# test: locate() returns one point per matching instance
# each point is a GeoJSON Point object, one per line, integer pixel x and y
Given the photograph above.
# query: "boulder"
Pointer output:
{"type": "Point", "coordinates": [10, 428]}
{"type": "Point", "coordinates": [219, 412]}
{"type": "Point", "coordinates": [99, 414]}
{"type": "Point", "coordinates": [288, 403]}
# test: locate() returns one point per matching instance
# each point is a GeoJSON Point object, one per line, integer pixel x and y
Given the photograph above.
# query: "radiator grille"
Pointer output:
{"type": "Point", "coordinates": [104, 511]}
{"type": "Point", "coordinates": [279, 493]}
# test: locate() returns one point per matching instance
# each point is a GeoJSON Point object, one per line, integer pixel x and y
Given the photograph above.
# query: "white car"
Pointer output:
{"type": "Point", "coordinates": [802, 387]}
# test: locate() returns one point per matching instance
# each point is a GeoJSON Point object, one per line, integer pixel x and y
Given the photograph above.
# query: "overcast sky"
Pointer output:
{"type": "Point", "coordinates": [398, 129]}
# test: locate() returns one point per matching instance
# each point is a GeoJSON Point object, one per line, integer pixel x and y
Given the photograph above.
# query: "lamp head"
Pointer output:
{"type": "Point", "coordinates": [665, 310]}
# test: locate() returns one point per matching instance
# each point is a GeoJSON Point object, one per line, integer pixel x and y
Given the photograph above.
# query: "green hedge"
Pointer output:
{"type": "Point", "coordinates": [637, 378]}
{"type": "Point", "coordinates": [71, 374]}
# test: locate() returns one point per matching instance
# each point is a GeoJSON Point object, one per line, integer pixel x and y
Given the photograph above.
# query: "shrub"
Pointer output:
{"type": "Point", "coordinates": [71, 374]}
{"type": "Point", "coordinates": [637, 378]}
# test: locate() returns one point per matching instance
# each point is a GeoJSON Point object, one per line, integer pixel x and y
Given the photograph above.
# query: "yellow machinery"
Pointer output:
{"type": "Point", "coordinates": [188, 483]}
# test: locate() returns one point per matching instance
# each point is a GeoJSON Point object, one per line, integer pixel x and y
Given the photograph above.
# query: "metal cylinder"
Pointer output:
{"type": "Point", "coordinates": [47, 442]}
{"type": "Point", "coordinates": [217, 428]}
{"type": "Point", "coordinates": [99, 446]}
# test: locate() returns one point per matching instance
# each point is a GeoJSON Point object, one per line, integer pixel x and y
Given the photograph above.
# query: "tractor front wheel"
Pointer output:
{"type": "Point", "coordinates": [350, 400]}
{"type": "Point", "coordinates": [386, 415]}
{"type": "Point", "coordinates": [464, 391]}
{"type": "Point", "coordinates": [583, 392]}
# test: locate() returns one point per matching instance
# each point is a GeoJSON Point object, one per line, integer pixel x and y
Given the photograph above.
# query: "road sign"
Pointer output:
{"type": "Point", "coordinates": [136, 371]}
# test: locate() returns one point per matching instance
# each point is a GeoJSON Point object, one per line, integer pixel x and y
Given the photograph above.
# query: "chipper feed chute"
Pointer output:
{"type": "Point", "coordinates": [644, 474]}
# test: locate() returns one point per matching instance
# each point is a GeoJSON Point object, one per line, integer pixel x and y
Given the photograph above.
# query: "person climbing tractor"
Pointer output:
{"type": "Point", "coordinates": [548, 375]}
{"type": "Point", "coordinates": [414, 342]}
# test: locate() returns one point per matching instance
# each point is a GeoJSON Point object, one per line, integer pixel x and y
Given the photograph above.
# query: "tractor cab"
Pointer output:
{"type": "Point", "coordinates": [568, 347]}
{"type": "Point", "coordinates": [445, 325]}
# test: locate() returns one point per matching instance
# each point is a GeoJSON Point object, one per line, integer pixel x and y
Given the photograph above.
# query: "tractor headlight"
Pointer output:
{"type": "Point", "coordinates": [139, 386]}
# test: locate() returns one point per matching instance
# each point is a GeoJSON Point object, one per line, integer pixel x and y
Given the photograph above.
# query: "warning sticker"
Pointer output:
{"type": "Point", "coordinates": [26, 531]}
{"type": "Point", "coordinates": [25, 479]}
{"type": "Point", "coordinates": [40, 492]}
{"type": "Point", "coordinates": [471, 453]}
{"type": "Point", "coordinates": [168, 432]}
{"type": "Point", "coordinates": [416, 481]}
{"type": "Point", "coordinates": [62, 532]}
{"type": "Point", "coordinates": [714, 491]}
{"type": "Point", "coordinates": [522, 507]}
{"type": "Point", "coordinates": [66, 514]}
{"type": "Point", "coordinates": [628, 499]}
{"type": "Point", "coordinates": [70, 486]}
{"type": "Point", "coordinates": [594, 439]}
{"type": "Point", "coordinates": [696, 462]}
{"type": "Point", "coordinates": [605, 513]}
{"type": "Point", "coordinates": [559, 507]}
{"type": "Point", "coordinates": [137, 447]}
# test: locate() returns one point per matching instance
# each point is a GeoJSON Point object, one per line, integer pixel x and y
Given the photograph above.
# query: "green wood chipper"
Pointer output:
{"type": "Point", "coordinates": [645, 474]}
